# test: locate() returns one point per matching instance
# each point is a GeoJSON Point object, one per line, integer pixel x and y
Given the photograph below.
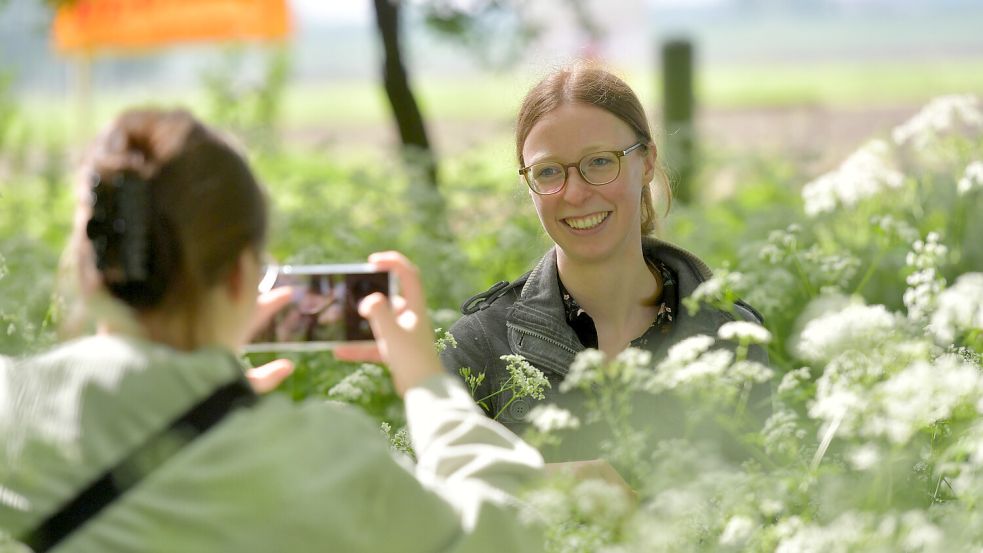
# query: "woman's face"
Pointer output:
{"type": "Point", "coordinates": [589, 223]}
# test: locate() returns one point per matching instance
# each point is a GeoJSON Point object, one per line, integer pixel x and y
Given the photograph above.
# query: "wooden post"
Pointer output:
{"type": "Point", "coordinates": [678, 110]}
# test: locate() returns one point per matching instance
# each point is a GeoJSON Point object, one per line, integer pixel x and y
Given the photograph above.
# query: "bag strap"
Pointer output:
{"type": "Point", "coordinates": [141, 462]}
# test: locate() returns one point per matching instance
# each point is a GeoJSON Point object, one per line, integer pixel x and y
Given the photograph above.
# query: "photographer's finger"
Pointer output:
{"type": "Point", "coordinates": [267, 305]}
{"type": "Point", "coordinates": [358, 352]}
{"type": "Point", "coordinates": [408, 274]}
{"type": "Point", "coordinates": [266, 377]}
{"type": "Point", "coordinates": [375, 308]}
{"type": "Point", "coordinates": [398, 304]}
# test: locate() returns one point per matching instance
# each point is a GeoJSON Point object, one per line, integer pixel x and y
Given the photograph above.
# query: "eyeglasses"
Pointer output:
{"type": "Point", "coordinates": [598, 169]}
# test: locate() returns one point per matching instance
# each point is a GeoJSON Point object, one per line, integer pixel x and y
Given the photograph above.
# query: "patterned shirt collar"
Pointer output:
{"type": "Point", "coordinates": [668, 304]}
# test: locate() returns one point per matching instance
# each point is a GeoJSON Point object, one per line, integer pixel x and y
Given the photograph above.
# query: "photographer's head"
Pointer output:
{"type": "Point", "coordinates": [170, 222]}
{"type": "Point", "coordinates": [588, 85]}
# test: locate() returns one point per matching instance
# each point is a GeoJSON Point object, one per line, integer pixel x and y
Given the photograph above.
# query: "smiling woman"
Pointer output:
{"type": "Point", "coordinates": [586, 153]}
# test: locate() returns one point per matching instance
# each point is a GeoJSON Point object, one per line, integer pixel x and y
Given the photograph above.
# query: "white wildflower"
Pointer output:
{"type": "Point", "coordinates": [920, 533]}
{"type": "Point", "coordinates": [709, 366]}
{"type": "Point", "coordinates": [941, 116]}
{"type": "Point", "coordinates": [583, 370]}
{"type": "Point", "coordinates": [792, 379]}
{"type": "Point", "coordinates": [925, 284]}
{"type": "Point", "coordinates": [959, 308]}
{"type": "Point", "coordinates": [919, 395]}
{"type": "Point", "coordinates": [750, 371]}
{"type": "Point", "coordinates": [545, 506]}
{"type": "Point", "coordinates": [771, 507]}
{"type": "Point", "coordinates": [635, 358]}
{"type": "Point", "coordinates": [852, 326]}
{"type": "Point", "coordinates": [864, 174]}
{"type": "Point", "coordinates": [689, 349]}
{"type": "Point", "coordinates": [864, 457]}
{"type": "Point", "coordinates": [715, 290]}
{"type": "Point", "coordinates": [892, 227]}
{"type": "Point", "coordinates": [972, 179]}
{"type": "Point", "coordinates": [782, 433]}
{"type": "Point", "coordinates": [526, 380]}
{"type": "Point", "coordinates": [737, 531]}
{"type": "Point", "coordinates": [364, 382]}
{"type": "Point", "coordinates": [550, 418]}
{"type": "Point", "coordinates": [847, 533]}
{"type": "Point", "coordinates": [600, 501]}
{"type": "Point", "coordinates": [744, 332]}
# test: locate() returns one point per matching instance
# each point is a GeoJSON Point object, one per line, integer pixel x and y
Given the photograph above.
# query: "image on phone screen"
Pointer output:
{"type": "Point", "coordinates": [323, 310]}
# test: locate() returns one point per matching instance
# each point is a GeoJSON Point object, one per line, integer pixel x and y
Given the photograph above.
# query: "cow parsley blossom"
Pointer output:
{"type": "Point", "coordinates": [925, 284]}
{"type": "Point", "coordinates": [972, 180]}
{"type": "Point", "coordinates": [959, 308]}
{"type": "Point", "coordinates": [550, 418]}
{"type": "Point", "coordinates": [941, 116]}
{"type": "Point", "coordinates": [825, 336]}
{"type": "Point", "coordinates": [744, 332]}
{"type": "Point", "coordinates": [864, 174]}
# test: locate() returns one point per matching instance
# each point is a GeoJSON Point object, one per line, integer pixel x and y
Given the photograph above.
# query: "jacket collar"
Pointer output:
{"type": "Point", "coordinates": [537, 327]}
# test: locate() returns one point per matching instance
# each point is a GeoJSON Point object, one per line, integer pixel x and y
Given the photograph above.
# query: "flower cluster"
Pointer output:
{"type": "Point", "coordinates": [364, 383]}
{"type": "Point", "coordinates": [944, 115]}
{"type": "Point", "coordinates": [972, 180]}
{"type": "Point", "coordinates": [550, 418]}
{"type": "Point", "coordinates": [525, 380]}
{"type": "Point", "coordinates": [959, 309]}
{"type": "Point", "coordinates": [866, 173]}
{"type": "Point", "coordinates": [925, 284]}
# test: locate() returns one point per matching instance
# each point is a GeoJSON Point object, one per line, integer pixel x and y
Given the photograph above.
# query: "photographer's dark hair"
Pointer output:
{"type": "Point", "coordinates": [172, 206]}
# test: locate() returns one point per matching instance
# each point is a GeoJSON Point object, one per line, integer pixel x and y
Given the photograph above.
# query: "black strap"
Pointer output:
{"type": "Point", "coordinates": [142, 461]}
{"type": "Point", "coordinates": [479, 302]}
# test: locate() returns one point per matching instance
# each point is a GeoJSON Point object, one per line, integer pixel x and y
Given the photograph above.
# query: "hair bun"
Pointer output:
{"type": "Point", "coordinates": [118, 230]}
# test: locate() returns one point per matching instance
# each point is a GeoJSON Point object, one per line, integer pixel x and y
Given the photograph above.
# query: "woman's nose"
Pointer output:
{"type": "Point", "coordinates": [577, 189]}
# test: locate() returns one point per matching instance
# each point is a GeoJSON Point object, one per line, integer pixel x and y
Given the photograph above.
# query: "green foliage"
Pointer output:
{"type": "Point", "coordinates": [250, 108]}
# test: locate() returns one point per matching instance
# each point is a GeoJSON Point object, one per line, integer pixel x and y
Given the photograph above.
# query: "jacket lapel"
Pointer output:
{"type": "Point", "coordinates": [537, 326]}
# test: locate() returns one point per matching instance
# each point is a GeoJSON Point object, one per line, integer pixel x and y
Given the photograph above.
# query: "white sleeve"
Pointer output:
{"type": "Point", "coordinates": [463, 455]}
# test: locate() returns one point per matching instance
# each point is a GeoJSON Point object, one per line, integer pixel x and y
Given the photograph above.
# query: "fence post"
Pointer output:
{"type": "Point", "coordinates": [678, 110]}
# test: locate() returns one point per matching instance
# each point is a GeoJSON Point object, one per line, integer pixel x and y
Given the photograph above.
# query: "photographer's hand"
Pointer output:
{"type": "Point", "coordinates": [267, 377]}
{"type": "Point", "coordinates": [403, 333]}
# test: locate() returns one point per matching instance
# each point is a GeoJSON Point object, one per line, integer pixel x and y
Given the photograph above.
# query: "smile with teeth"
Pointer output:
{"type": "Point", "coordinates": [588, 221]}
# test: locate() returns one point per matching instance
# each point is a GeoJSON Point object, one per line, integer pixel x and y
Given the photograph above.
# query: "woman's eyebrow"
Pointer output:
{"type": "Point", "coordinates": [586, 150]}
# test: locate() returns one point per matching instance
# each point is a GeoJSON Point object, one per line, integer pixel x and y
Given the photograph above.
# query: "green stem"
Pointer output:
{"type": "Point", "coordinates": [504, 407]}
{"type": "Point", "coordinates": [506, 386]}
{"type": "Point", "coordinates": [870, 271]}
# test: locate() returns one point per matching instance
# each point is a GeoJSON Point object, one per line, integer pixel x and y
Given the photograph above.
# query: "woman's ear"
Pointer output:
{"type": "Point", "coordinates": [239, 280]}
{"type": "Point", "coordinates": [650, 161]}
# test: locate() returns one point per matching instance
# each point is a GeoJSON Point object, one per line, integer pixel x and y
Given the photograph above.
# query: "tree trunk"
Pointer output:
{"type": "Point", "coordinates": [409, 120]}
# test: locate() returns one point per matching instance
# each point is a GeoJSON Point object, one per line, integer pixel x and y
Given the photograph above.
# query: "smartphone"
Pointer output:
{"type": "Point", "coordinates": [323, 311]}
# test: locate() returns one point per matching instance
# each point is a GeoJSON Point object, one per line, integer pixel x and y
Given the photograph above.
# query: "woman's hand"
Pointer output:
{"type": "Point", "coordinates": [403, 333]}
{"type": "Point", "coordinates": [267, 377]}
{"type": "Point", "coordinates": [596, 469]}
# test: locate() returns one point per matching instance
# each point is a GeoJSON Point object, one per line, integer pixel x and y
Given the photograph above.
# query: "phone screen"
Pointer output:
{"type": "Point", "coordinates": [324, 306]}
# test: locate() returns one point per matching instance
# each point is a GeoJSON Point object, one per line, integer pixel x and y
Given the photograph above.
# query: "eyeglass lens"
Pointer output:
{"type": "Point", "coordinates": [597, 169]}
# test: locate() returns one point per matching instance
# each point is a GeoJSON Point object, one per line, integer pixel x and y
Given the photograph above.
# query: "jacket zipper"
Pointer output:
{"type": "Point", "coordinates": [541, 337]}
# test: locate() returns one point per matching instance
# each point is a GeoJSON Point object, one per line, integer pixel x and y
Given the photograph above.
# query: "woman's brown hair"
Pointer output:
{"type": "Point", "coordinates": [588, 84]}
{"type": "Point", "coordinates": [167, 207]}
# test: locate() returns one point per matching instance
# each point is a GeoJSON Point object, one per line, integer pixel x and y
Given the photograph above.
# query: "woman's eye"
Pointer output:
{"type": "Point", "coordinates": [547, 172]}
{"type": "Point", "coordinates": [599, 161]}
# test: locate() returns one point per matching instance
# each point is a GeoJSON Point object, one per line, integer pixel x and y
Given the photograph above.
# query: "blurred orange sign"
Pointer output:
{"type": "Point", "coordinates": [88, 25]}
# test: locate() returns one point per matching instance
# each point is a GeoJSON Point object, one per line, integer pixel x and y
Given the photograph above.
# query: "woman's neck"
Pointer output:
{"type": "Point", "coordinates": [178, 330]}
{"type": "Point", "coordinates": [614, 292]}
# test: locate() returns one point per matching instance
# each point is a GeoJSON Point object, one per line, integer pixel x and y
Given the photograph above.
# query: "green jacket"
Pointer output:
{"type": "Point", "coordinates": [276, 476]}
